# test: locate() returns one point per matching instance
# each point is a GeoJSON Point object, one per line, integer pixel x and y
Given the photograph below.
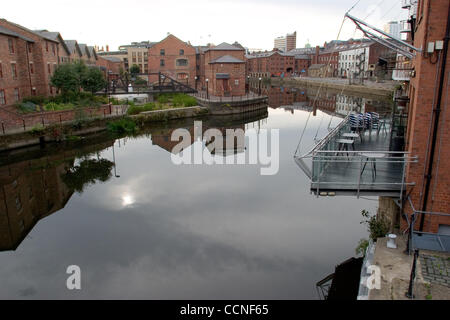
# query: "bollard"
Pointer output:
{"type": "Point", "coordinates": [3, 128]}
{"type": "Point", "coordinates": [24, 127]}
{"type": "Point", "coordinates": [60, 119]}
{"type": "Point", "coordinates": [43, 123]}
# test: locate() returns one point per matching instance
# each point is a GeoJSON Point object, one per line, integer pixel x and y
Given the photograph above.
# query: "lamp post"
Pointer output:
{"type": "Point", "coordinates": [207, 89]}
{"type": "Point", "coordinates": [260, 80]}
{"type": "Point", "coordinates": [196, 78]}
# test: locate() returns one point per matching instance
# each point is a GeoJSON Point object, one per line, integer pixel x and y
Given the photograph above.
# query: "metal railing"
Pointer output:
{"type": "Point", "coordinates": [415, 236]}
{"type": "Point", "coordinates": [348, 166]}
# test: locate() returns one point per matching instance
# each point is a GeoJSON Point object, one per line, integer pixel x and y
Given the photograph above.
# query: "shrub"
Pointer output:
{"type": "Point", "coordinates": [133, 110]}
{"type": "Point", "coordinates": [362, 247]}
{"type": "Point", "coordinates": [125, 125]}
{"type": "Point", "coordinates": [27, 107]}
{"type": "Point", "coordinates": [37, 100]}
{"type": "Point", "coordinates": [376, 226]}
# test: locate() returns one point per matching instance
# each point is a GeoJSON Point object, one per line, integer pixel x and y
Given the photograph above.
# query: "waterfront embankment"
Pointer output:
{"type": "Point", "coordinates": [369, 88]}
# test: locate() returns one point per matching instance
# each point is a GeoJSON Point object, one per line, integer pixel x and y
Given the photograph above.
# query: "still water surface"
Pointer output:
{"type": "Point", "coordinates": [153, 230]}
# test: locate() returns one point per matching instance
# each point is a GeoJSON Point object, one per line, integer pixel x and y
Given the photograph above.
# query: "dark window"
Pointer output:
{"type": "Point", "coordinates": [1, 71]}
{"type": "Point", "coordinates": [182, 62]}
{"type": "Point", "coordinates": [162, 63]}
{"type": "Point", "coordinates": [30, 47]}
{"type": "Point", "coordinates": [162, 52]}
{"type": "Point", "coordinates": [2, 97]}
{"type": "Point", "coordinates": [46, 46]}
{"type": "Point", "coordinates": [16, 95]}
{"type": "Point", "coordinates": [31, 68]}
{"type": "Point", "coordinates": [11, 45]}
{"type": "Point", "coordinates": [181, 52]}
{"type": "Point", "coordinates": [14, 70]}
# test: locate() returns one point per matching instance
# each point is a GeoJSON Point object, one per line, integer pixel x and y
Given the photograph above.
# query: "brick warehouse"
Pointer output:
{"type": "Point", "coordinates": [269, 64]}
{"type": "Point", "coordinates": [225, 70]}
{"type": "Point", "coordinates": [27, 61]}
{"type": "Point", "coordinates": [428, 135]}
{"type": "Point", "coordinates": [173, 57]}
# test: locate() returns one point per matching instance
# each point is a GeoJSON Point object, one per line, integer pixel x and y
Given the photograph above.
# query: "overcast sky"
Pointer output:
{"type": "Point", "coordinates": [253, 23]}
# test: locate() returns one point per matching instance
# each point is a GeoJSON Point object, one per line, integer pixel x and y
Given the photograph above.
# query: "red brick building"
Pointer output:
{"type": "Point", "coordinates": [173, 57]}
{"type": "Point", "coordinates": [270, 64]}
{"type": "Point", "coordinates": [74, 49]}
{"type": "Point", "coordinates": [225, 70]}
{"type": "Point", "coordinates": [27, 61]}
{"type": "Point", "coordinates": [428, 134]}
{"type": "Point", "coordinates": [328, 57]}
{"type": "Point", "coordinates": [111, 66]}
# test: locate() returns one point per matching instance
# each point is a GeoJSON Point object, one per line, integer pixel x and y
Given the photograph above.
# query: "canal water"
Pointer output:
{"type": "Point", "coordinates": [149, 229]}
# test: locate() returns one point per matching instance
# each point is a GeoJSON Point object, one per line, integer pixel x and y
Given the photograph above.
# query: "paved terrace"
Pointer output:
{"type": "Point", "coordinates": [432, 278]}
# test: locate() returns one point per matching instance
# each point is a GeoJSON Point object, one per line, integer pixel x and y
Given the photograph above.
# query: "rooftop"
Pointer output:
{"type": "Point", "coordinates": [11, 33]}
{"type": "Point", "coordinates": [227, 59]}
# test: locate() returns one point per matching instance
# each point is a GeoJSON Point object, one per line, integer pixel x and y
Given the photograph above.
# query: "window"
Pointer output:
{"type": "Point", "coordinates": [182, 62]}
{"type": "Point", "coordinates": [18, 203]}
{"type": "Point", "coordinates": [46, 46]}
{"type": "Point", "coordinates": [2, 97]}
{"type": "Point", "coordinates": [11, 45]}
{"type": "Point", "coordinates": [33, 92]}
{"type": "Point", "coordinates": [14, 70]}
{"type": "Point", "coordinates": [162, 52]}
{"type": "Point", "coordinates": [162, 63]}
{"type": "Point", "coordinates": [182, 76]}
{"type": "Point", "coordinates": [54, 49]}
{"type": "Point", "coordinates": [31, 68]}
{"type": "Point", "coordinates": [181, 52]}
{"type": "Point", "coordinates": [1, 71]}
{"type": "Point", "coordinates": [16, 95]}
{"type": "Point", "coordinates": [30, 47]}
{"type": "Point", "coordinates": [236, 82]}
{"type": "Point", "coordinates": [49, 68]}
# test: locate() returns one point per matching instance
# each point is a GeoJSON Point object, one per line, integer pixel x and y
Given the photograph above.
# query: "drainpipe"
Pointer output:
{"type": "Point", "coordinates": [437, 112]}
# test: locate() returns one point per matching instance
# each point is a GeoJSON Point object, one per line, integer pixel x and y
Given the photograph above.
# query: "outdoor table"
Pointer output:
{"type": "Point", "coordinates": [343, 145]}
{"type": "Point", "coordinates": [372, 157]}
{"type": "Point", "coordinates": [352, 136]}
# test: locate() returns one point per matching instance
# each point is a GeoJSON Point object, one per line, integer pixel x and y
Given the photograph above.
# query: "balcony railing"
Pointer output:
{"type": "Point", "coordinates": [426, 240]}
{"type": "Point", "coordinates": [357, 161]}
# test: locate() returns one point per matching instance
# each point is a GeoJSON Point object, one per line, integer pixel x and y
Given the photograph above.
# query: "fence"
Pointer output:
{"type": "Point", "coordinates": [12, 122]}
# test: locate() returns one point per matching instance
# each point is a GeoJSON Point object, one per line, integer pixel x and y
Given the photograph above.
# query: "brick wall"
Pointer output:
{"type": "Point", "coordinates": [172, 46]}
{"type": "Point", "coordinates": [423, 90]}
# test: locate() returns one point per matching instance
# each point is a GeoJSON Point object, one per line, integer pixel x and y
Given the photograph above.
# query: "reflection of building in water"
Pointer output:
{"type": "Point", "coordinates": [233, 141]}
{"type": "Point", "coordinates": [345, 104]}
{"type": "Point", "coordinates": [31, 190]}
{"type": "Point", "coordinates": [279, 96]}
{"type": "Point", "coordinates": [162, 137]}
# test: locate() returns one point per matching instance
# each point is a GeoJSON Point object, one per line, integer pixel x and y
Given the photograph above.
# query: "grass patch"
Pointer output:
{"type": "Point", "coordinates": [133, 109]}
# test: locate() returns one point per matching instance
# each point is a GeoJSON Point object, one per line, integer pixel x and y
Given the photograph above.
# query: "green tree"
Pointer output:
{"type": "Point", "coordinates": [66, 78]}
{"type": "Point", "coordinates": [135, 70]}
{"type": "Point", "coordinates": [93, 80]}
